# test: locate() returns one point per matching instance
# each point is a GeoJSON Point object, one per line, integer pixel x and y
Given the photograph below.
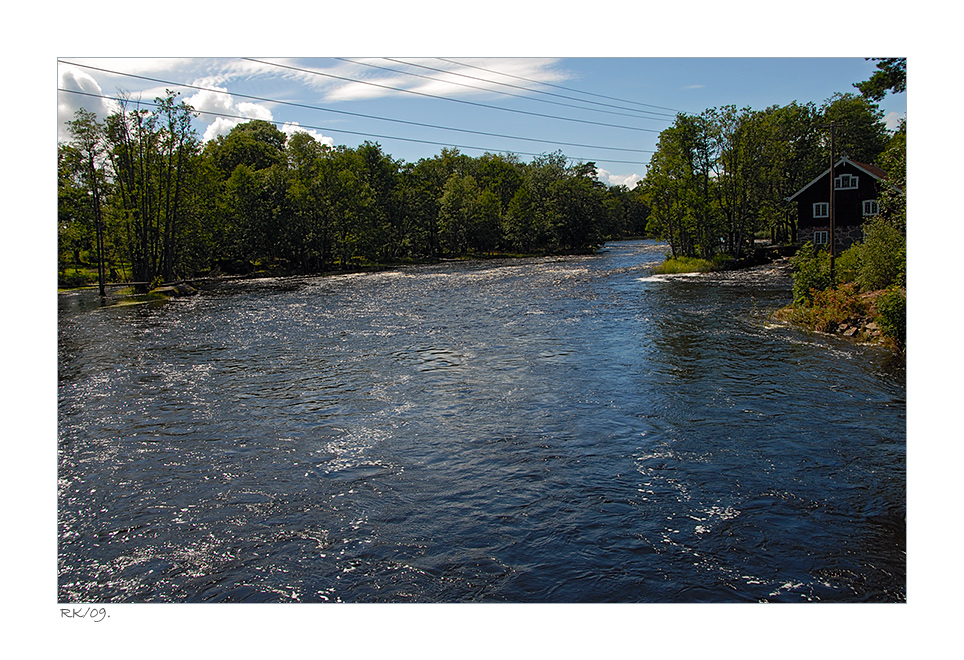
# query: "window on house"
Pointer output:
{"type": "Point", "coordinates": [871, 207]}
{"type": "Point", "coordinates": [821, 210]}
{"type": "Point", "coordinates": [821, 237]}
{"type": "Point", "coordinates": [845, 182]}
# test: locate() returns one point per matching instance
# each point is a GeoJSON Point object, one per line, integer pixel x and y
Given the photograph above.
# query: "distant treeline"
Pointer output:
{"type": "Point", "coordinates": [164, 206]}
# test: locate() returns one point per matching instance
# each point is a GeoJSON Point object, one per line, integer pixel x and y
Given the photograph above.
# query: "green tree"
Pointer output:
{"type": "Point", "coordinates": [893, 197]}
{"type": "Point", "coordinates": [579, 209]}
{"type": "Point", "coordinates": [793, 157]}
{"type": "Point", "coordinates": [681, 187]}
{"type": "Point", "coordinates": [458, 207]}
{"type": "Point", "coordinates": [256, 143]}
{"type": "Point", "coordinates": [890, 76]}
{"type": "Point", "coordinates": [75, 223]}
{"type": "Point", "coordinates": [309, 230]}
{"type": "Point", "coordinates": [153, 156]}
{"type": "Point", "coordinates": [860, 131]}
{"type": "Point", "coordinates": [179, 146]}
{"type": "Point", "coordinates": [88, 161]}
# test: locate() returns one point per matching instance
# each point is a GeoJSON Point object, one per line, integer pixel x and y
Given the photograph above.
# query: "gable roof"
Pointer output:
{"type": "Point", "coordinates": [872, 170]}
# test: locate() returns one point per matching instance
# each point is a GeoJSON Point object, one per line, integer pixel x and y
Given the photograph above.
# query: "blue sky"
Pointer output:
{"type": "Point", "coordinates": [605, 109]}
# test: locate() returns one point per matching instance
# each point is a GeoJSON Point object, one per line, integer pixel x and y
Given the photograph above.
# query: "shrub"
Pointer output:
{"type": "Point", "coordinates": [73, 279]}
{"type": "Point", "coordinates": [848, 264]}
{"type": "Point", "coordinates": [829, 308]}
{"type": "Point", "coordinates": [892, 314]}
{"type": "Point", "coordinates": [882, 257]}
{"type": "Point", "coordinates": [811, 273]}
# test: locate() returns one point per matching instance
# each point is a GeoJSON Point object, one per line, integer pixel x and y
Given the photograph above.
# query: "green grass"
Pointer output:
{"type": "Point", "coordinates": [684, 265]}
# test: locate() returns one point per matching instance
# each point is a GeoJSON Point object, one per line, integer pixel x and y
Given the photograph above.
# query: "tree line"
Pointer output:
{"type": "Point", "coordinates": [720, 179]}
{"type": "Point", "coordinates": [140, 190]}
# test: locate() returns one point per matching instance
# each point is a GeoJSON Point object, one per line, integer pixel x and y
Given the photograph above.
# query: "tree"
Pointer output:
{"type": "Point", "coordinates": [681, 187]}
{"type": "Point", "coordinates": [457, 211]}
{"type": "Point", "coordinates": [153, 156]}
{"type": "Point", "coordinates": [309, 231]}
{"type": "Point", "coordinates": [75, 224]}
{"type": "Point", "coordinates": [794, 157]}
{"type": "Point", "coordinates": [893, 197]}
{"type": "Point", "coordinates": [256, 143]}
{"type": "Point", "coordinates": [88, 137]}
{"type": "Point", "coordinates": [180, 145]}
{"type": "Point", "coordinates": [579, 209]}
{"type": "Point", "coordinates": [891, 76]}
{"type": "Point", "coordinates": [860, 131]}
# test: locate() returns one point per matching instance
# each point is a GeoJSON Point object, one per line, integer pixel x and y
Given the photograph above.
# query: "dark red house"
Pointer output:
{"type": "Point", "coordinates": [857, 187]}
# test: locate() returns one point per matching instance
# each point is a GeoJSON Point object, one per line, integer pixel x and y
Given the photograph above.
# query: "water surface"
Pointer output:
{"type": "Point", "coordinates": [537, 430]}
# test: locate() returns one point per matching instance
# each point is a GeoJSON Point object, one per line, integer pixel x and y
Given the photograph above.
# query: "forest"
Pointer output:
{"type": "Point", "coordinates": [140, 189]}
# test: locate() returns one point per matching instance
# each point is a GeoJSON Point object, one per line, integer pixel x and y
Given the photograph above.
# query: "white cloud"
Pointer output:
{"type": "Point", "coordinates": [290, 128]}
{"type": "Point", "coordinates": [77, 80]}
{"type": "Point", "coordinates": [607, 177]}
{"type": "Point", "coordinates": [217, 100]}
{"type": "Point", "coordinates": [209, 100]}
{"type": "Point", "coordinates": [442, 78]}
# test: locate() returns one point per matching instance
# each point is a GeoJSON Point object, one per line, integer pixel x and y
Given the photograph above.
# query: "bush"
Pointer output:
{"type": "Point", "coordinates": [811, 273]}
{"type": "Point", "coordinates": [848, 265]}
{"type": "Point", "coordinates": [73, 279]}
{"type": "Point", "coordinates": [881, 260]}
{"type": "Point", "coordinates": [892, 314]}
{"type": "Point", "coordinates": [830, 308]}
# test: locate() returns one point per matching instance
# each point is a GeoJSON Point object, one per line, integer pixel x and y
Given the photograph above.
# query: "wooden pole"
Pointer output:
{"type": "Point", "coordinates": [833, 247]}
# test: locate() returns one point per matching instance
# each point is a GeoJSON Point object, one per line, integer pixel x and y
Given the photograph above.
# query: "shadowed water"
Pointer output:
{"type": "Point", "coordinates": [537, 430]}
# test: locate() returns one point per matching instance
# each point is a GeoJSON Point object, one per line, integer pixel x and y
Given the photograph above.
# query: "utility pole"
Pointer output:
{"type": "Point", "coordinates": [833, 246]}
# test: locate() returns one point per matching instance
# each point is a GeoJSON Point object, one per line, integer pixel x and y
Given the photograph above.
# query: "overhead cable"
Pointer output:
{"type": "Point", "coordinates": [366, 135]}
{"type": "Point", "coordinates": [489, 89]}
{"type": "Point", "coordinates": [356, 114]}
{"type": "Point", "coordinates": [446, 98]}
{"type": "Point", "coordinates": [570, 89]}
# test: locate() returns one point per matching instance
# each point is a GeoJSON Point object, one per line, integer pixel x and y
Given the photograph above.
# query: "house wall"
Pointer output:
{"type": "Point", "coordinates": [848, 208]}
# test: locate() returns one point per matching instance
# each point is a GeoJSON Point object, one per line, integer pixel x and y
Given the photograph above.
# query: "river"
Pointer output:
{"type": "Point", "coordinates": [534, 430]}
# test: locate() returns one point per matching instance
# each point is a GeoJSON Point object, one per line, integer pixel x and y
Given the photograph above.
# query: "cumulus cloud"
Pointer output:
{"type": "Point", "coordinates": [607, 177]}
{"type": "Point", "coordinates": [217, 101]}
{"type": "Point", "coordinates": [290, 128]}
{"type": "Point", "coordinates": [77, 80]}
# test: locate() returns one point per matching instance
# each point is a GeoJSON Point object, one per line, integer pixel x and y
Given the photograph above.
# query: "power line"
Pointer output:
{"type": "Point", "coordinates": [445, 98]}
{"type": "Point", "coordinates": [570, 89]}
{"type": "Point", "coordinates": [366, 135]}
{"type": "Point", "coordinates": [484, 89]}
{"type": "Point", "coordinates": [357, 114]}
{"type": "Point", "coordinates": [659, 115]}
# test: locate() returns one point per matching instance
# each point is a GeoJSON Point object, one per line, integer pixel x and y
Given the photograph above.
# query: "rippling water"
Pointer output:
{"type": "Point", "coordinates": [537, 430]}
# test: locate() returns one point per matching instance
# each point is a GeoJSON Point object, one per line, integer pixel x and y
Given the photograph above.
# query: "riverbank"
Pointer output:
{"type": "Point", "coordinates": [871, 317]}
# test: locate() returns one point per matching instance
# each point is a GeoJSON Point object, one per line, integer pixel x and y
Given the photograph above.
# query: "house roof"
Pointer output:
{"type": "Point", "coordinates": [872, 170]}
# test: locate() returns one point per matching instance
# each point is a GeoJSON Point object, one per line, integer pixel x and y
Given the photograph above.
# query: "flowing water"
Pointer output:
{"type": "Point", "coordinates": [536, 430]}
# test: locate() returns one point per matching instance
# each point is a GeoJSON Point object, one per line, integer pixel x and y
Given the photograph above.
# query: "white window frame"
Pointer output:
{"type": "Point", "coordinates": [821, 209]}
{"type": "Point", "coordinates": [821, 237]}
{"type": "Point", "coordinates": [850, 179]}
{"type": "Point", "coordinates": [871, 207]}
